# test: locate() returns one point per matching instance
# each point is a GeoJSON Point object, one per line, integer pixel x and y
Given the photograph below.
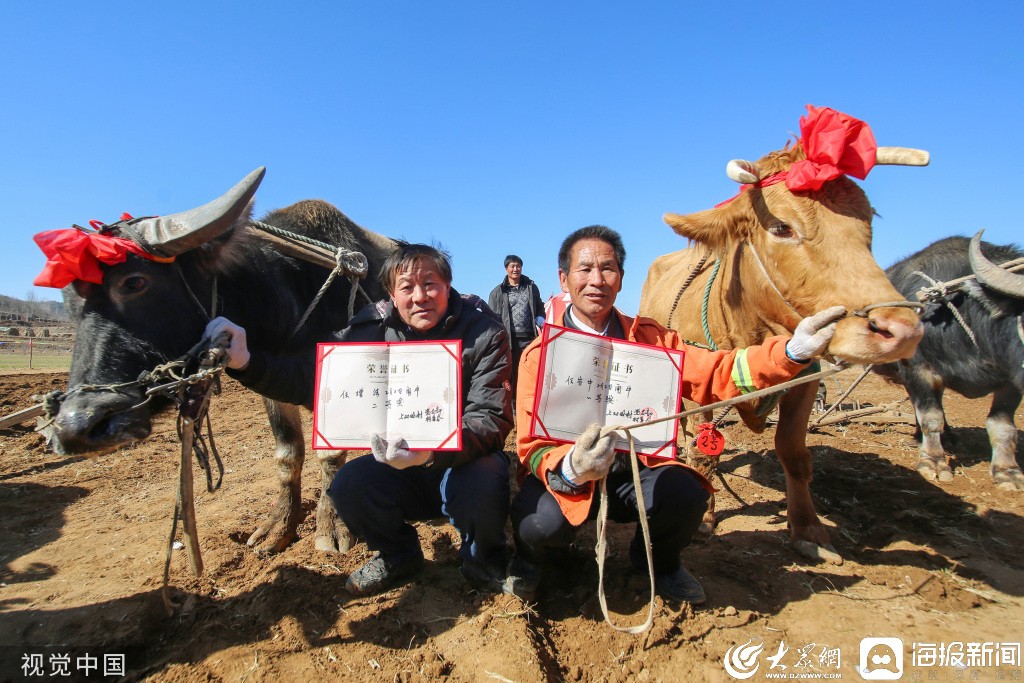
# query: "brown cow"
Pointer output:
{"type": "Point", "coordinates": [781, 255]}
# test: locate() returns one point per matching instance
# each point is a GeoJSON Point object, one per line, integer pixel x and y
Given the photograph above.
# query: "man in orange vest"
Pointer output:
{"type": "Point", "coordinates": [557, 481]}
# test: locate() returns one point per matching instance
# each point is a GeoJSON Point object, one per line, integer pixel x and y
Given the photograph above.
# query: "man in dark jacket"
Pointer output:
{"type": "Point", "coordinates": [377, 496]}
{"type": "Point", "coordinates": [517, 300]}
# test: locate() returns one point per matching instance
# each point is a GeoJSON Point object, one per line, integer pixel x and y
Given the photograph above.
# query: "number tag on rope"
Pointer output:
{"type": "Point", "coordinates": [710, 441]}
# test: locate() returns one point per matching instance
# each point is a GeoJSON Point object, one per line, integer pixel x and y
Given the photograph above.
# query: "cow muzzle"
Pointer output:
{"type": "Point", "coordinates": [93, 422]}
{"type": "Point", "coordinates": [880, 334]}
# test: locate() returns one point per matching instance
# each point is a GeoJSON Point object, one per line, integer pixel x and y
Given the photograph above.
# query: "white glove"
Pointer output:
{"type": "Point", "coordinates": [238, 351]}
{"type": "Point", "coordinates": [812, 336]}
{"type": "Point", "coordinates": [590, 458]}
{"type": "Point", "coordinates": [395, 453]}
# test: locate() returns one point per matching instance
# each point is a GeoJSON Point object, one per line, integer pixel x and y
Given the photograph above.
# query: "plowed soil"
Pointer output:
{"type": "Point", "coordinates": [83, 541]}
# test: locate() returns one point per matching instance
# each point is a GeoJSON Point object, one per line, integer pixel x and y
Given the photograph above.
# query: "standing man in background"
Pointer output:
{"type": "Point", "coordinates": [517, 300]}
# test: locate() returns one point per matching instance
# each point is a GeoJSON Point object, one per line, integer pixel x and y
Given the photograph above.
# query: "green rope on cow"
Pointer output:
{"type": "Point", "coordinates": [704, 305]}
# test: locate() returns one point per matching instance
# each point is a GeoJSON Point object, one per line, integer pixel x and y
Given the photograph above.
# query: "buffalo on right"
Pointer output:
{"type": "Point", "coordinates": [973, 344]}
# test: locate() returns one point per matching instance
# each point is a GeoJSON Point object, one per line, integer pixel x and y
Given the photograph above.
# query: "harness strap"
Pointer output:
{"type": "Point", "coordinates": [938, 293]}
{"type": "Point", "coordinates": [757, 259]}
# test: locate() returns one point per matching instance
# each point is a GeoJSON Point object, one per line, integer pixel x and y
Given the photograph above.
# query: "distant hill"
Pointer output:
{"type": "Point", "coordinates": [21, 309]}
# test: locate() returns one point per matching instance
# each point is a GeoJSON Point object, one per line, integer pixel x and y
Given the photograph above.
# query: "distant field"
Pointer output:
{"type": "Point", "coordinates": [12, 363]}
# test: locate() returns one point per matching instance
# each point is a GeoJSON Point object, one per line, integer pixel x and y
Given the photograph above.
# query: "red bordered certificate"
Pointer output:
{"type": "Point", "coordinates": [407, 390]}
{"type": "Point", "coordinates": [584, 378]}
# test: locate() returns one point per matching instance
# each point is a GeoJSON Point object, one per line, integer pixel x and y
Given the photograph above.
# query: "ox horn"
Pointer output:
{"type": "Point", "coordinates": [741, 171]}
{"type": "Point", "coordinates": [991, 275]}
{"type": "Point", "coordinates": [179, 232]}
{"type": "Point", "coordinates": [901, 156]}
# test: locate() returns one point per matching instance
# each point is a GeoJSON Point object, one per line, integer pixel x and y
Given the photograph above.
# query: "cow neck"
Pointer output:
{"type": "Point", "coordinates": [736, 316]}
{"type": "Point", "coordinates": [768, 279]}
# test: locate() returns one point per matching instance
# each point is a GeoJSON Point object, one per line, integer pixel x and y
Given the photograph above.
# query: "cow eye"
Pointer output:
{"type": "Point", "coordinates": [134, 283]}
{"type": "Point", "coordinates": [780, 230]}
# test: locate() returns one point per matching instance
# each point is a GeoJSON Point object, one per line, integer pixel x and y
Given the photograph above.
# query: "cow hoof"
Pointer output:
{"type": "Point", "coordinates": [1009, 479]}
{"type": "Point", "coordinates": [708, 524]}
{"type": "Point", "coordinates": [933, 470]}
{"type": "Point", "coordinates": [268, 539]}
{"type": "Point", "coordinates": [332, 536]}
{"type": "Point", "coordinates": [334, 542]}
{"type": "Point", "coordinates": [821, 553]}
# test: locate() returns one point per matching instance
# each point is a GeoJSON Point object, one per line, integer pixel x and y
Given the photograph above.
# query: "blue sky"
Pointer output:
{"type": "Point", "coordinates": [496, 127]}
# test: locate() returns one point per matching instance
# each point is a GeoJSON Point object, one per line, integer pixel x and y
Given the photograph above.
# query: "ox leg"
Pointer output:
{"type": "Point", "coordinates": [933, 463]}
{"type": "Point", "coordinates": [808, 534]}
{"type": "Point", "coordinates": [925, 389]}
{"type": "Point", "coordinates": [1002, 434]}
{"type": "Point", "coordinates": [280, 530]}
{"type": "Point", "coordinates": [332, 536]}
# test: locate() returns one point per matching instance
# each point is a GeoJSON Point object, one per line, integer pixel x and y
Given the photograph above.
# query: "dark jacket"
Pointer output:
{"type": "Point", "coordinates": [498, 301]}
{"type": "Point", "coordinates": [486, 360]}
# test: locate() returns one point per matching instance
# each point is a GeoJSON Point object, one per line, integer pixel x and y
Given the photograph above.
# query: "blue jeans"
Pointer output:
{"type": "Point", "coordinates": [377, 502]}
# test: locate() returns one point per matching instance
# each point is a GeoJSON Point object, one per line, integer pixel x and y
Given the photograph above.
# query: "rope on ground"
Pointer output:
{"type": "Point", "coordinates": [846, 393]}
{"type": "Point", "coordinates": [601, 546]}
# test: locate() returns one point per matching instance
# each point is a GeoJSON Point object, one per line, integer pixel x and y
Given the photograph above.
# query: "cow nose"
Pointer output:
{"type": "Point", "coordinates": [74, 426]}
{"type": "Point", "coordinates": [94, 421]}
{"type": "Point", "coordinates": [902, 327]}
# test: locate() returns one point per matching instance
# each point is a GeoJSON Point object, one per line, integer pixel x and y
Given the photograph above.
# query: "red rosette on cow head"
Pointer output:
{"type": "Point", "coordinates": [834, 144]}
{"type": "Point", "coordinates": [76, 255]}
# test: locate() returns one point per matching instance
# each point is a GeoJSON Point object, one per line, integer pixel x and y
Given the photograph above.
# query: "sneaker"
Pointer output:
{"type": "Point", "coordinates": [522, 580]}
{"type": "Point", "coordinates": [680, 586]}
{"type": "Point", "coordinates": [483, 576]}
{"type": "Point", "coordinates": [381, 573]}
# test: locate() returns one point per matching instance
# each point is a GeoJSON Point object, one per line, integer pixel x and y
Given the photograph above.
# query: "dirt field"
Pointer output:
{"type": "Point", "coordinates": [82, 545]}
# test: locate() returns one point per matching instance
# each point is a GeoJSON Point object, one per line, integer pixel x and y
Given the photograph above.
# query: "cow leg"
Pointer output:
{"type": "Point", "coordinates": [332, 536]}
{"type": "Point", "coordinates": [808, 534]}
{"type": "Point", "coordinates": [700, 462]}
{"type": "Point", "coordinates": [925, 389]}
{"type": "Point", "coordinates": [1002, 434]}
{"type": "Point", "coordinates": [926, 394]}
{"type": "Point", "coordinates": [289, 452]}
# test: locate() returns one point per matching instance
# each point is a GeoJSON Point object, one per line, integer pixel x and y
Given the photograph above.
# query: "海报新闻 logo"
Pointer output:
{"type": "Point", "coordinates": [881, 659]}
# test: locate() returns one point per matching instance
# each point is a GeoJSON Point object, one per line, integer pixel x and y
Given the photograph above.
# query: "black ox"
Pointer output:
{"type": "Point", "coordinates": [146, 313]}
{"type": "Point", "coordinates": [973, 344]}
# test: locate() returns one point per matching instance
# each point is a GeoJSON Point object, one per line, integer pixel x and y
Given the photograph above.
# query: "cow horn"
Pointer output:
{"type": "Point", "coordinates": [741, 171]}
{"type": "Point", "coordinates": [179, 232]}
{"type": "Point", "coordinates": [991, 275]}
{"type": "Point", "coordinates": [901, 156]}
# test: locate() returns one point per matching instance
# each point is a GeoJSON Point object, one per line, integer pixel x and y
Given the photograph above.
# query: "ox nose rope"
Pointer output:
{"type": "Point", "coordinates": [601, 546]}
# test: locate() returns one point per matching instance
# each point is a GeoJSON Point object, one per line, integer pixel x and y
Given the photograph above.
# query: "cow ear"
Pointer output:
{"type": "Point", "coordinates": [229, 250]}
{"type": "Point", "coordinates": [713, 227]}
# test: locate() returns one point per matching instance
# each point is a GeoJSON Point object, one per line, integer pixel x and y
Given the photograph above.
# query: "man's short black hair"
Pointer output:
{"type": "Point", "coordinates": [405, 257]}
{"type": "Point", "coordinates": [600, 232]}
{"type": "Point", "coordinates": [512, 258]}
